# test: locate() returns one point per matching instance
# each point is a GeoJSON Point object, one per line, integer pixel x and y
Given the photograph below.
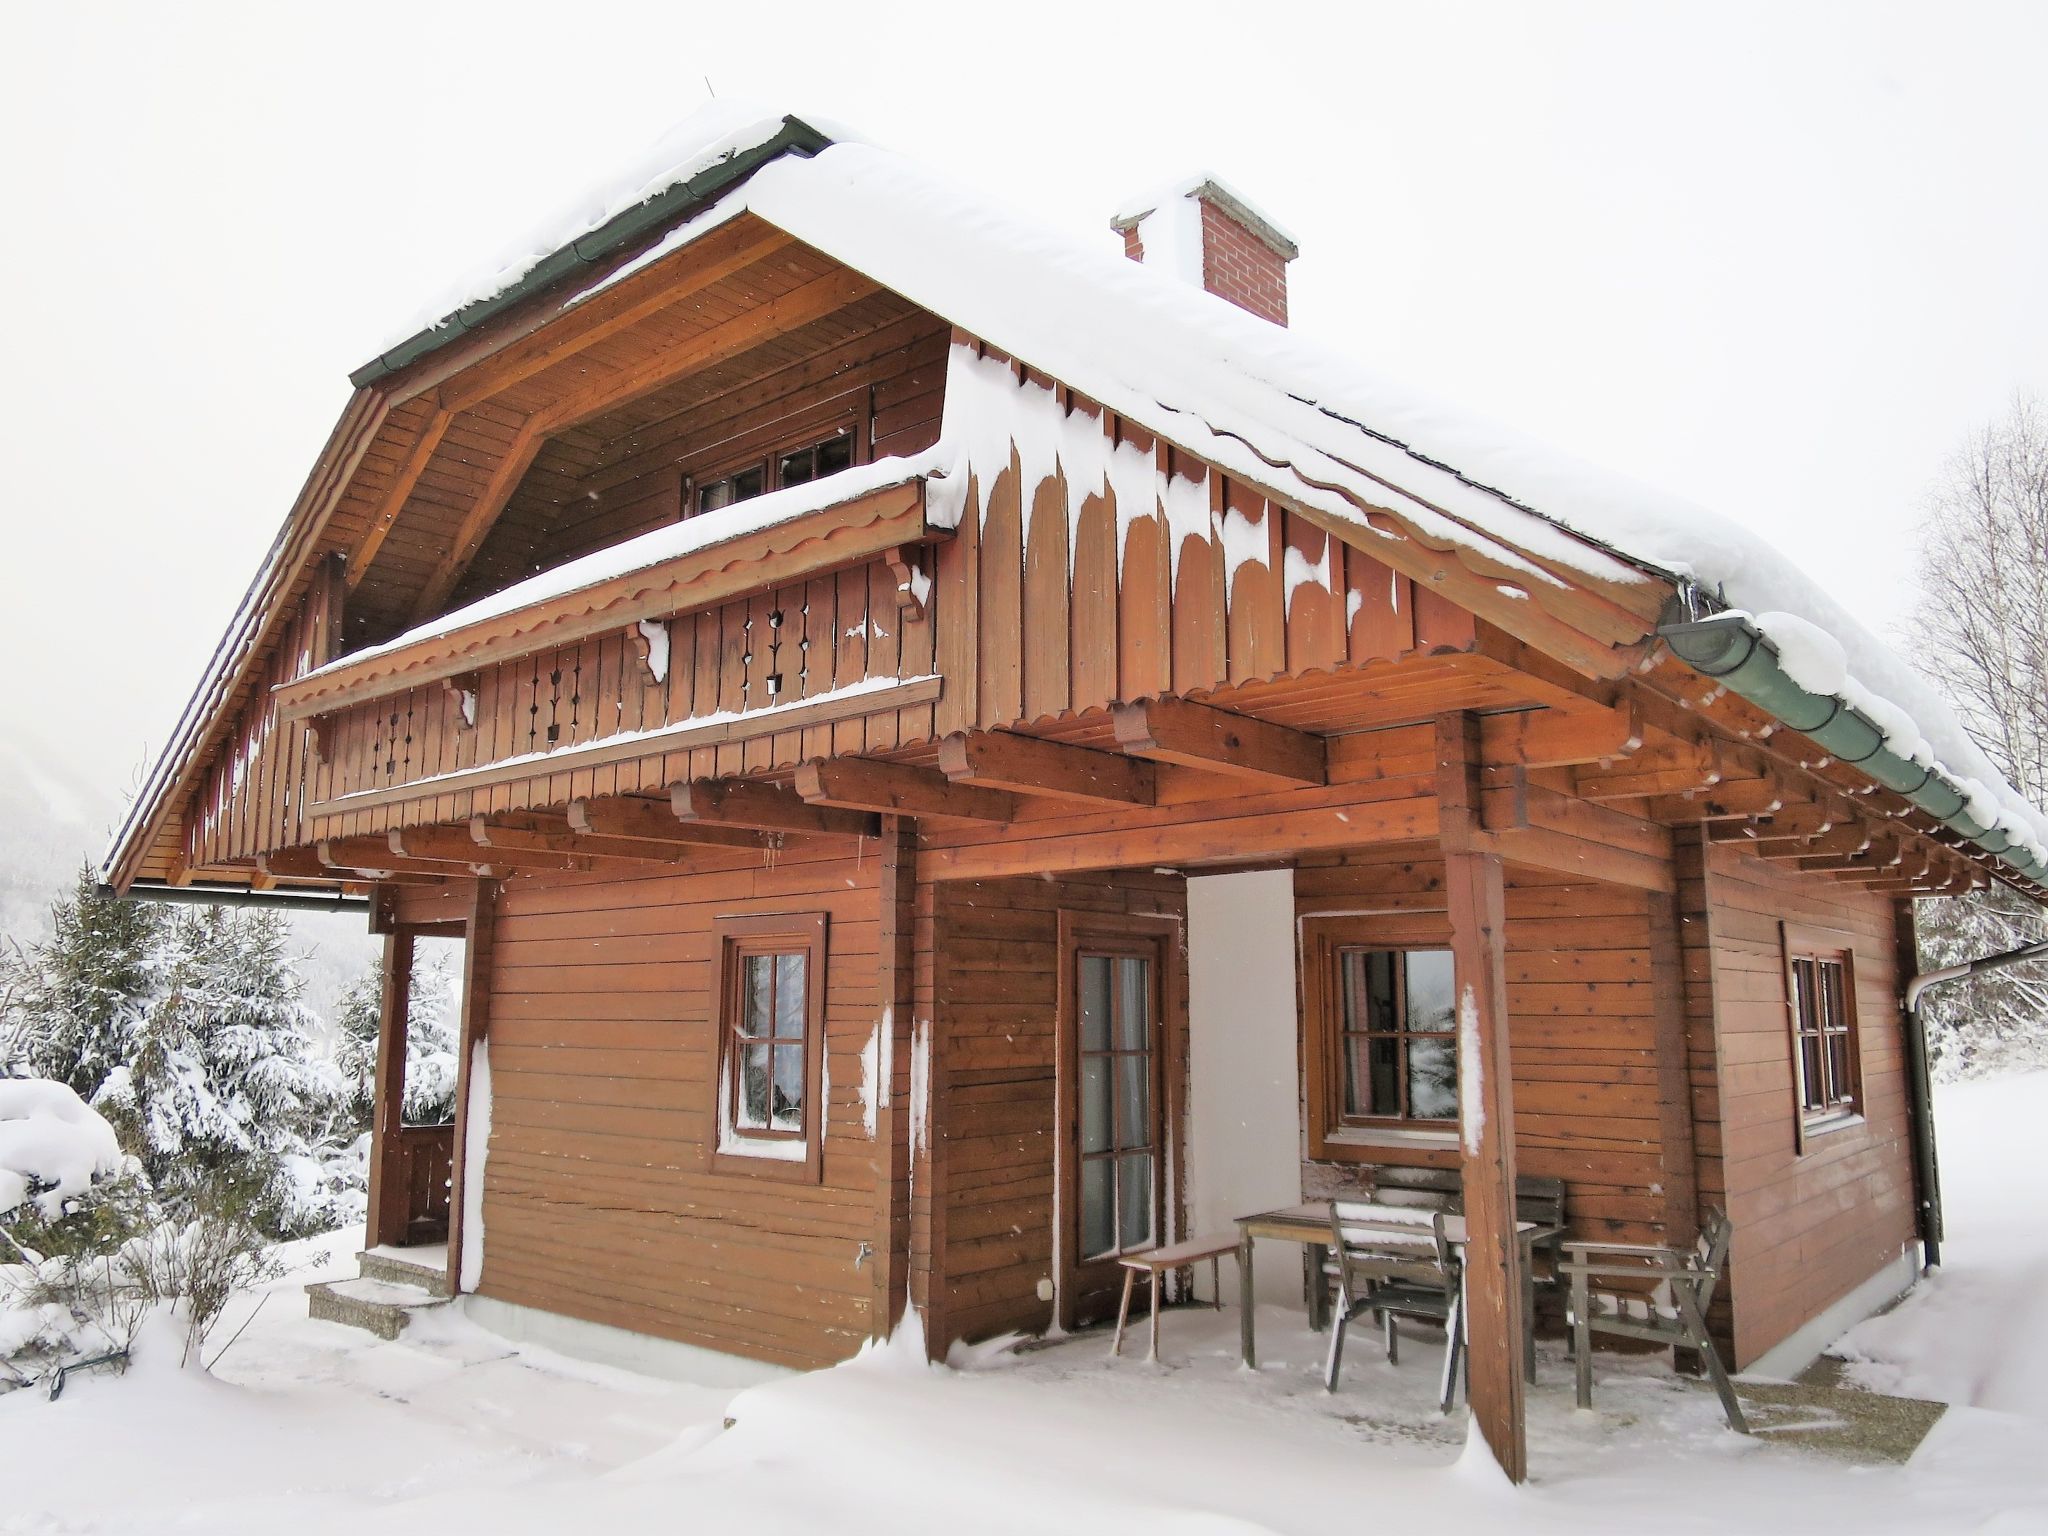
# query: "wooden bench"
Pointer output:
{"type": "Point", "coordinates": [1156, 1262]}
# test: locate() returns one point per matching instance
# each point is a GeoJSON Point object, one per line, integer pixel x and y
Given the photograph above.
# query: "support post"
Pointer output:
{"type": "Point", "coordinates": [478, 944]}
{"type": "Point", "coordinates": [895, 1001]}
{"type": "Point", "coordinates": [1493, 1289]}
{"type": "Point", "coordinates": [388, 1208]}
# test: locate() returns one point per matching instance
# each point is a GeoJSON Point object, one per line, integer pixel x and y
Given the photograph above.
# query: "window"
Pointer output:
{"type": "Point", "coordinates": [771, 1044]}
{"type": "Point", "coordinates": [1379, 1038]}
{"type": "Point", "coordinates": [789, 466]}
{"type": "Point", "coordinates": [1820, 987]}
{"type": "Point", "coordinates": [1398, 1041]}
{"type": "Point", "coordinates": [1119, 1116]}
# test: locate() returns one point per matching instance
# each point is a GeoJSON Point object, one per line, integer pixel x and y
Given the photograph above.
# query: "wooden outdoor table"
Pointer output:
{"type": "Point", "coordinates": [1309, 1225]}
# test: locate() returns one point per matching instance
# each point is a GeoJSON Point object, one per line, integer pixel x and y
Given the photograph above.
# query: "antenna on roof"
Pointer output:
{"type": "Point", "coordinates": [708, 88]}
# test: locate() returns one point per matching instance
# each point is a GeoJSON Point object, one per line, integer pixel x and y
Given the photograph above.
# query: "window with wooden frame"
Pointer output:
{"type": "Point", "coordinates": [1379, 1032]}
{"type": "Point", "coordinates": [1820, 1000]}
{"type": "Point", "coordinates": [792, 463]}
{"type": "Point", "coordinates": [771, 1045]}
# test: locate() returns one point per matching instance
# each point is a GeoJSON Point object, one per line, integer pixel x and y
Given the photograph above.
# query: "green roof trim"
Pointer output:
{"type": "Point", "coordinates": [669, 206]}
{"type": "Point", "coordinates": [1732, 650]}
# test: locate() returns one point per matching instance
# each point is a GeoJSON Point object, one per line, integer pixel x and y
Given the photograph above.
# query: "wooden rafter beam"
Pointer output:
{"type": "Point", "coordinates": [630, 819]}
{"type": "Point", "coordinates": [1171, 730]}
{"type": "Point", "coordinates": [496, 838]}
{"type": "Point", "coordinates": [814, 300]}
{"type": "Point", "coordinates": [373, 857]}
{"type": "Point", "coordinates": [424, 447]}
{"type": "Point", "coordinates": [1763, 796]}
{"type": "Point", "coordinates": [306, 864]}
{"type": "Point", "coordinates": [455, 844]}
{"type": "Point", "coordinates": [1556, 738]}
{"type": "Point", "coordinates": [478, 520]}
{"type": "Point", "coordinates": [863, 784]}
{"type": "Point", "coordinates": [714, 258]}
{"type": "Point", "coordinates": [1029, 765]}
{"type": "Point", "coordinates": [766, 807]}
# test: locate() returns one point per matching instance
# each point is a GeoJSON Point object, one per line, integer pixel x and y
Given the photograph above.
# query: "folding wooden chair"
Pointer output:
{"type": "Point", "coordinates": [1667, 1304]}
{"type": "Point", "coordinates": [1395, 1262]}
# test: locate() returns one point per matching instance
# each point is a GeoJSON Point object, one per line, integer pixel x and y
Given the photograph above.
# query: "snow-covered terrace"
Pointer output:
{"type": "Point", "coordinates": [319, 1429]}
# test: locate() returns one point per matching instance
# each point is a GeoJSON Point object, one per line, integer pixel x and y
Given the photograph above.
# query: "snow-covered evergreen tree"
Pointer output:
{"type": "Point", "coordinates": [430, 1066]}
{"type": "Point", "coordinates": [187, 1031]}
{"type": "Point", "coordinates": [73, 1001]}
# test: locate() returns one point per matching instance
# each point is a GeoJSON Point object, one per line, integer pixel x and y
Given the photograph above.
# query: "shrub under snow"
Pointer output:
{"type": "Point", "coordinates": [53, 1147]}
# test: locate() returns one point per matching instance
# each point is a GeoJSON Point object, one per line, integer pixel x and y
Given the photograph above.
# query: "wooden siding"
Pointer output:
{"type": "Point", "coordinates": [816, 638]}
{"type": "Point", "coordinates": [1581, 1026]}
{"type": "Point", "coordinates": [599, 1201]}
{"type": "Point", "coordinates": [994, 1003]}
{"type": "Point", "coordinates": [1811, 1226]}
{"type": "Point", "coordinates": [254, 794]}
{"type": "Point", "coordinates": [823, 635]}
{"type": "Point", "coordinates": [1100, 565]}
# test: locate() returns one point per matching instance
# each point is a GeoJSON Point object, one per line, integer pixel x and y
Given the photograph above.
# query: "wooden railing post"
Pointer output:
{"type": "Point", "coordinates": [389, 1207]}
{"type": "Point", "coordinates": [478, 947]}
{"type": "Point", "coordinates": [1486, 1120]}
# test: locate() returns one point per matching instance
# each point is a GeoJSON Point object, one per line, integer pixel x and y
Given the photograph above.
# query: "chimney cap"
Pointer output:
{"type": "Point", "coordinates": [1203, 187]}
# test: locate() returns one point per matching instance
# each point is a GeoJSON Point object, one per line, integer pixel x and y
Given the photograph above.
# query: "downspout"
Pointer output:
{"type": "Point", "coordinates": [1919, 1089]}
{"type": "Point", "coordinates": [1729, 648]}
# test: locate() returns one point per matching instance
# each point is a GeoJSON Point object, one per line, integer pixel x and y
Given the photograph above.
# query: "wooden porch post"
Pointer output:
{"type": "Point", "coordinates": [478, 945]}
{"type": "Point", "coordinates": [387, 1214]}
{"type": "Point", "coordinates": [1493, 1290]}
{"type": "Point", "coordinates": [895, 1001]}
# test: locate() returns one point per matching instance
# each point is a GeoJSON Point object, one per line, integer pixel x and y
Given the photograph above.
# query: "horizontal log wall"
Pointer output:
{"type": "Point", "coordinates": [1094, 564]}
{"type": "Point", "coordinates": [598, 1197]}
{"type": "Point", "coordinates": [1581, 1026]}
{"type": "Point", "coordinates": [995, 1003]}
{"type": "Point", "coordinates": [1809, 1226]}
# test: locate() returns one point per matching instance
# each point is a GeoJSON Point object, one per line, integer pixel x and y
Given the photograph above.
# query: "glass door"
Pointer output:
{"type": "Point", "coordinates": [1117, 1053]}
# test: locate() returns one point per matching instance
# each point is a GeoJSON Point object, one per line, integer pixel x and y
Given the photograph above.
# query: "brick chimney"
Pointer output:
{"type": "Point", "coordinates": [1202, 232]}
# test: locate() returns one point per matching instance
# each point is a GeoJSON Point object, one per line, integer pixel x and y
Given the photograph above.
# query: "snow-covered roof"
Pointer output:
{"type": "Point", "coordinates": [1251, 396]}
{"type": "Point", "coordinates": [1256, 400]}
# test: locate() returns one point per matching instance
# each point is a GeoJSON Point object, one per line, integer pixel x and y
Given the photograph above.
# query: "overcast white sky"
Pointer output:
{"type": "Point", "coordinates": [1779, 258]}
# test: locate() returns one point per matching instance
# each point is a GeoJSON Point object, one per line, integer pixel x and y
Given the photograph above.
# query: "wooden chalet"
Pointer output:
{"type": "Point", "coordinates": [825, 643]}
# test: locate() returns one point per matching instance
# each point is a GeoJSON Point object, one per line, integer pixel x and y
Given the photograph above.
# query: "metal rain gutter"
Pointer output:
{"type": "Point", "coordinates": [671, 205]}
{"type": "Point", "coordinates": [1730, 649]}
{"type": "Point", "coordinates": [201, 894]}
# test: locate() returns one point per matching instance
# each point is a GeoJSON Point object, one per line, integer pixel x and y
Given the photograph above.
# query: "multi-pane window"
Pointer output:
{"type": "Point", "coordinates": [1823, 1034]}
{"type": "Point", "coordinates": [1116, 1003]}
{"type": "Point", "coordinates": [795, 466]}
{"type": "Point", "coordinates": [768, 1042]}
{"type": "Point", "coordinates": [771, 1027]}
{"type": "Point", "coordinates": [1397, 1035]}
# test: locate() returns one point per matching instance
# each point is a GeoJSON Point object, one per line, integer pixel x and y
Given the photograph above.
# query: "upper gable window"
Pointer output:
{"type": "Point", "coordinates": [784, 467]}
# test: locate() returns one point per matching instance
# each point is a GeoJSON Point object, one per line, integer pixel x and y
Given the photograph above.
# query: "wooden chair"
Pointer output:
{"type": "Point", "coordinates": [1673, 1288]}
{"type": "Point", "coordinates": [1395, 1261]}
{"type": "Point", "coordinates": [1537, 1200]}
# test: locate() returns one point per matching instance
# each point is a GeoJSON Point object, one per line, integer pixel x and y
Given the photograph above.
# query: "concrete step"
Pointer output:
{"type": "Point", "coordinates": [376, 1305]}
{"type": "Point", "coordinates": [426, 1268]}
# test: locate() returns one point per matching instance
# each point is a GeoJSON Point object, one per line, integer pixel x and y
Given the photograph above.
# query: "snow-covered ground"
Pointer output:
{"type": "Point", "coordinates": [313, 1428]}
